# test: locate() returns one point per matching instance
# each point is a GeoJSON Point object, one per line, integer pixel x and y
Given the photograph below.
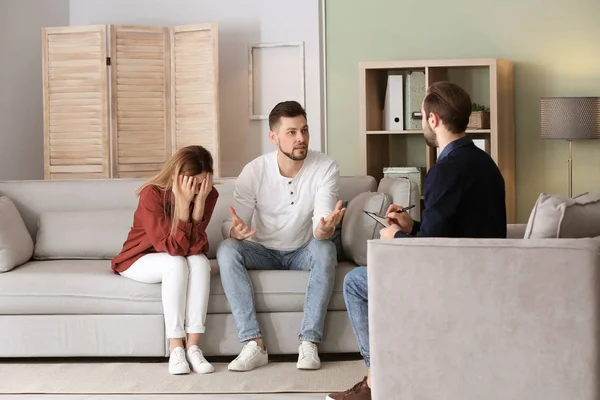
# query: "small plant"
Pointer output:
{"type": "Point", "coordinates": [479, 107]}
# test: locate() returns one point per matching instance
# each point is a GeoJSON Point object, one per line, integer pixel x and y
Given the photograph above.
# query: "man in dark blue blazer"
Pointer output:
{"type": "Point", "coordinates": [464, 190]}
{"type": "Point", "coordinates": [464, 197]}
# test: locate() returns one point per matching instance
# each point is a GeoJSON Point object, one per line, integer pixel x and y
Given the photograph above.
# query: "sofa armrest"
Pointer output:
{"type": "Point", "coordinates": [484, 318]}
{"type": "Point", "coordinates": [515, 231]}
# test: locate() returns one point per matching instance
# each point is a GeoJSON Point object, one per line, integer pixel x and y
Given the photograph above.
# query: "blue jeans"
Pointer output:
{"type": "Point", "coordinates": [236, 257]}
{"type": "Point", "coordinates": [356, 296]}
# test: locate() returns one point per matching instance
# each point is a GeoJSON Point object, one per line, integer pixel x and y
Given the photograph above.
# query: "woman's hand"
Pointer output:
{"type": "Point", "coordinates": [184, 189]}
{"type": "Point", "coordinates": [200, 200]}
{"type": "Point", "coordinates": [205, 189]}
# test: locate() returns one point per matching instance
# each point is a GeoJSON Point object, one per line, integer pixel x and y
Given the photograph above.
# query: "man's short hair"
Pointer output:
{"type": "Point", "coordinates": [289, 109]}
{"type": "Point", "coordinates": [451, 103]}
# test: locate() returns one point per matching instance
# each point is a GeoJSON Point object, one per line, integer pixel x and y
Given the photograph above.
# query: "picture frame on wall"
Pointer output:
{"type": "Point", "coordinates": [276, 72]}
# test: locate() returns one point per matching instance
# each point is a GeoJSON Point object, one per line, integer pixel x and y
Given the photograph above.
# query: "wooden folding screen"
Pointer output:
{"type": "Point", "coordinates": [124, 115]}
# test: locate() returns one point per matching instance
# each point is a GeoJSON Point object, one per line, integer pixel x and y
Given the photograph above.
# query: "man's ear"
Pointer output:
{"type": "Point", "coordinates": [273, 137]}
{"type": "Point", "coordinates": [434, 120]}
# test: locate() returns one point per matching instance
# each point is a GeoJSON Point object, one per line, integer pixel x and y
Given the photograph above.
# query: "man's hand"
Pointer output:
{"type": "Point", "coordinates": [389, 232]}
{"type": "Point", "coordinates": [395, 216]}
{"type": "Point", "coordinates": [239, 230]}
{"type": "Point", "coordinates": [327, 225]}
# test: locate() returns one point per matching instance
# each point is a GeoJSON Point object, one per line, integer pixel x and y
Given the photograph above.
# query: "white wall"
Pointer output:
{"type": "Point", "coordinates": [241, 22]}
{"type": "Point", "coordinates": [21, 113]}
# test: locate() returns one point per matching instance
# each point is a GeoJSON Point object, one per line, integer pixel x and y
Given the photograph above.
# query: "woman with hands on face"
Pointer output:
{"type": "Point", "coordinates": [167, 244]}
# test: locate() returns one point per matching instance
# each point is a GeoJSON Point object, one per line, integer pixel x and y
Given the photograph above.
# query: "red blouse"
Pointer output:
{"type": "Point", "coordinates": [151, 231]}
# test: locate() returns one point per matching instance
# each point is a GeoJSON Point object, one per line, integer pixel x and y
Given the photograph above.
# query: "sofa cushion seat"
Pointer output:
{"type": "Point", "coordinates": [90, 287]}
{"type": "Point", "coordinates": [74, 287]}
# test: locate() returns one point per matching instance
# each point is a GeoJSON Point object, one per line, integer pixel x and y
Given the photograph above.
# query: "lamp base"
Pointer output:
{"type": "Point", "coordinates": [570, 169]}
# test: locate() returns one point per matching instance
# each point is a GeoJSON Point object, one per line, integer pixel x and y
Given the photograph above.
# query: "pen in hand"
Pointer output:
{"type": "Point", "coordinates": [392, 214]}
{"type": "Point", "coordinates": [406, 208]}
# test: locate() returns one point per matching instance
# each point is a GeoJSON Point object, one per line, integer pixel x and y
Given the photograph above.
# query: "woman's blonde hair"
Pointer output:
{"type": "Point", "coordinates": [191, 161]}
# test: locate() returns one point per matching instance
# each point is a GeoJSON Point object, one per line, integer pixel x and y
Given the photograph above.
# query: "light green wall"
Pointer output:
{"type": "Point", "coordinates": [555, 45]}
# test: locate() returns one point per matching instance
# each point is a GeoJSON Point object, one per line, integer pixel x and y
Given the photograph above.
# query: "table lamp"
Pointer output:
{"type": "Point", "coordinates": [570, 118]}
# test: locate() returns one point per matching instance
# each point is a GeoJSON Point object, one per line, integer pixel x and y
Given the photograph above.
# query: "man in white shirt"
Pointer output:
{"type": "Point", "coordinates": [285, 209]}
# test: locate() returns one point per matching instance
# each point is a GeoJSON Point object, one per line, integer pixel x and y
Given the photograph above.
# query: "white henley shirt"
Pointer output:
{"type": "Point", "coordinates": [285, 211]}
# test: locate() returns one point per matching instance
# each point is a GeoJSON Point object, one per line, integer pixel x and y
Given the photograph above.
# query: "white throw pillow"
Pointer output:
{"type": "Point", "coordinates": [16, 244]}
{"type": "Point", "coordinates": [555, 216]}
{"type": "Point", "coordinates": [403, 192]}
{"type": "Point", "coordinates": [91, 234]}
{"type": "Point", "coordinates": [358, 227]}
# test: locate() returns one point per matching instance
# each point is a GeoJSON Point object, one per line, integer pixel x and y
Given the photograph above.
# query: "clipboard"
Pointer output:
{"type": "Point", "coordinates": [381, 220]}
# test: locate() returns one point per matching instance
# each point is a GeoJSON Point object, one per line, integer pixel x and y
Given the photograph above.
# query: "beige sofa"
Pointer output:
{"type": "Point", "coordinates": [494, 319]}
{"type": "Point", "coordinates": [70, 304]}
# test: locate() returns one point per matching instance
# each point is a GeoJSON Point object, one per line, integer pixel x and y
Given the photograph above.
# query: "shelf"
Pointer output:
{"type": "Point", "coordinates": [420, 132]}
{"type": "Point", "coordinates": [488, 81]}
{"type": "Point", "coordinates": [414, 64]}
{"type": "Point", "coordinates": [409, 132]}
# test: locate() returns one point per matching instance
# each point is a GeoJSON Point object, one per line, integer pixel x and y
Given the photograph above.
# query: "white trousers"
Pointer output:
{"type": "Point", "coordinates": [185, 289]}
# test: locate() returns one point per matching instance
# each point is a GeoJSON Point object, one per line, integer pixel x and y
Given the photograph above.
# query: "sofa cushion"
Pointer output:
{"type": "Point", "coordinates": [34, 197]}
{"type": "Point", "coordinates": [89, 234]}
{"type": "Point", "coordinates": [213, 231]}
{"type": "Point", "coordinates": [516, 231]}
{"type": "Point", "coordinates": [90, 287]}
{"type": "Point", "coordinates": [74, 287]}
{"type": "Point", "coordinates": [403, 192]}
{"type": "Point", "coordinates": [555, 216]}
{"type": "Point", "coordinates": [358, 227]}
{"type": "Point", "coordinates": [16, 245]}
{"type": "Point", "coordinates": [336, 238]}
{"type": "Point", "coordinates": [352, 186]}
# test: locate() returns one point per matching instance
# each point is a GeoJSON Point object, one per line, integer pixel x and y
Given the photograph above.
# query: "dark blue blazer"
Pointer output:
{"type": "Point", "coordinates": [464, 195]}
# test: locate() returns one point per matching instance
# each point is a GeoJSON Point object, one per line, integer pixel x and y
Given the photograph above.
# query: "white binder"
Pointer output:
{"type": "Point", "coordinates": [393, 112]}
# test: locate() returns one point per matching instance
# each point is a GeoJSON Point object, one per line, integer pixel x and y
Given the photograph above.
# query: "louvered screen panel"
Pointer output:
{"type": "Point", "coordinates": [140, 79]}
{"type": "Point", "coordinates": [75, 95]}
{"type": "Point", "coordinates": [195, 100]}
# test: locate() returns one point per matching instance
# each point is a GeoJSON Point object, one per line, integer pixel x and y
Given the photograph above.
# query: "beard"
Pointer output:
{"type": "Point", "coordinates": [430, 137]}
{"type": "Point", "coordinates": [295, 154]}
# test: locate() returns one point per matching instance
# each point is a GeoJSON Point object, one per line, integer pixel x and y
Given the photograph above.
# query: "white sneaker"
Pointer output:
{"type": "Point", "coordinates": [252, 356]}
{"type": "Point", "coordinates": [177, 363]}
{"type": "Point", "coordinates": [308, 356]}
{"type": "Point", "coordinates": [198, 362]}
